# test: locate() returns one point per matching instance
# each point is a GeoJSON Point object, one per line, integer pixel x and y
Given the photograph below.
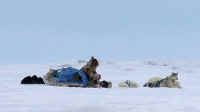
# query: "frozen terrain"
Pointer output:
{"type": "Point", "coordinates": [36, 98]}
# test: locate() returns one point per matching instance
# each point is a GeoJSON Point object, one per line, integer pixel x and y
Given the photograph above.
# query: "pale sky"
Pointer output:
{"type": "Point", "coordinates": [43, 31]}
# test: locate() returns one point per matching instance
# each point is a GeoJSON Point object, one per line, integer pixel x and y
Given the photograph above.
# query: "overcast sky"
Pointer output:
{"type": "Point", "coordinates": [42, 31]}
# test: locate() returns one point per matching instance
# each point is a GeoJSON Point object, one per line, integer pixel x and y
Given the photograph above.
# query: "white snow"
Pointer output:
{"type": "Point", "coordinates": [38, 98]}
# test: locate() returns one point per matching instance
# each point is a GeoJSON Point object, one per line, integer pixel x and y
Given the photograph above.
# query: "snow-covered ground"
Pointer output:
{"type": "Point", "coordinates": [36, 98]}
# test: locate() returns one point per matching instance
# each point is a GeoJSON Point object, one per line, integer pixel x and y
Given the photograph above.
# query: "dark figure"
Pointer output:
{"type": "Point", "coordinates": [105, 84]}
{"type": "Point", "coordinates": [32, 80]}
{"type": "Point", "coordinates": [90, 70]}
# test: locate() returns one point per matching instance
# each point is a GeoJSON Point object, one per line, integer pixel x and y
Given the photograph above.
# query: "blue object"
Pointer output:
{"type": "Point", "coordinates": [67, 75]}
